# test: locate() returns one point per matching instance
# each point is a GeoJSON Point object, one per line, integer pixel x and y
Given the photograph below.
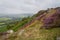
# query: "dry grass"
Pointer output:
{"type": "Point", "coordinates": [35, 33]}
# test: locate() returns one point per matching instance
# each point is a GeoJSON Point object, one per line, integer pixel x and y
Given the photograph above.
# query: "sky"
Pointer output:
{"type": "Point", "coordinates": [26, 6]}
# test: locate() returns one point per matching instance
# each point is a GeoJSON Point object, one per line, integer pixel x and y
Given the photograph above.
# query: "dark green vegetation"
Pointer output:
{"type": "Point", "coordinates": [21, 24]}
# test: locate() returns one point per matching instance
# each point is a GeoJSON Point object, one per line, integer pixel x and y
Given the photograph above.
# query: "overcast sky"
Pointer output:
{"type": "Point", "coordinates": [26, 6]}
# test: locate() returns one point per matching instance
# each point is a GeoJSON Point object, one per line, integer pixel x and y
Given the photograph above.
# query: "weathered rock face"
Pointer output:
{"type": "Point", "coordinates": [52, 20]}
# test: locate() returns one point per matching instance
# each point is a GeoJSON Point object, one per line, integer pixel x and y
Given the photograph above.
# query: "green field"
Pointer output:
{"type": "Point", "coordinates": [4, 19]}
{"type": "Point", "coordinates": [3, 29]}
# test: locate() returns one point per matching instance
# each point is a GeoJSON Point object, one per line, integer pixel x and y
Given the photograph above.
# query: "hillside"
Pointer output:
{"type": "Point", "coordinates": [45, 25]}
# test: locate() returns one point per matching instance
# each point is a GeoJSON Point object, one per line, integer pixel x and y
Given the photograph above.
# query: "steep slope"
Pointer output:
{"type": "Point", "coordinates": [37, 28]}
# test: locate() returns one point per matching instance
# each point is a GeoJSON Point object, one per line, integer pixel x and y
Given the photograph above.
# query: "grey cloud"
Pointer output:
{"type": "Point", "coordinates": [26, 6]}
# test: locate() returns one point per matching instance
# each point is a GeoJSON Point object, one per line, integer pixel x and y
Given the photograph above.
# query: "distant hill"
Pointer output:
{"type": "Point", "coordinates": [5, 17]}
{"type": "Point", "coordinates": [16, 15]}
